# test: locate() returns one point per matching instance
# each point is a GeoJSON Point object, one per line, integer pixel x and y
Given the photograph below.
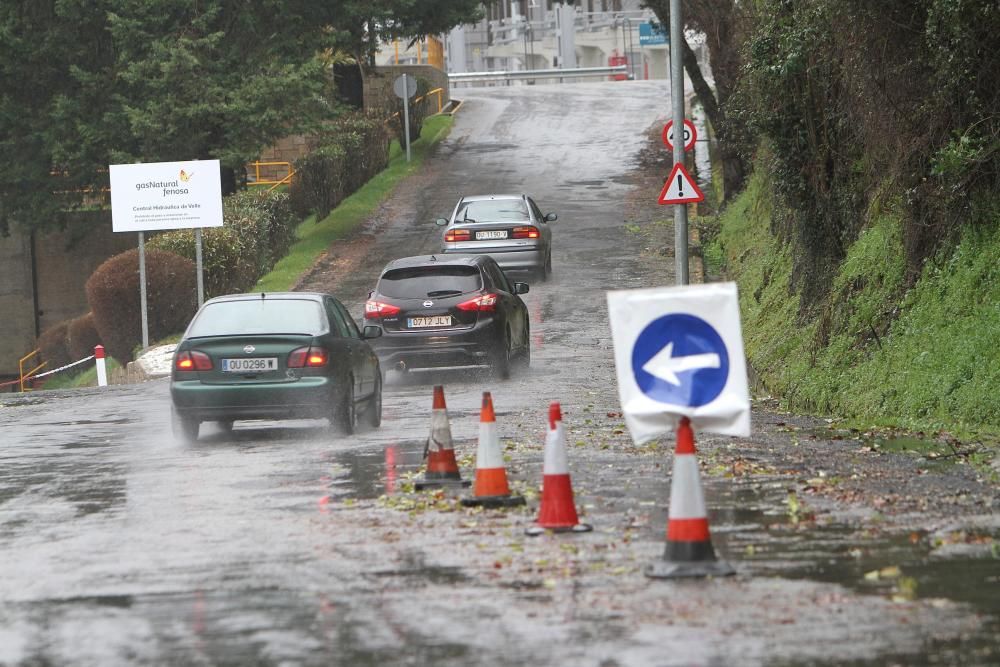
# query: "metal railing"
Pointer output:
{"type": "Point", "coordinates": [463, 77]}
{"type": "Point", "coordinates": [25, 376]}
{"type": "Point", "coordinates": [258, 180]}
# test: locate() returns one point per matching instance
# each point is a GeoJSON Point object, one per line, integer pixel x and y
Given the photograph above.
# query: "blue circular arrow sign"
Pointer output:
{"type": "Point", "coordinates": [680, 359]}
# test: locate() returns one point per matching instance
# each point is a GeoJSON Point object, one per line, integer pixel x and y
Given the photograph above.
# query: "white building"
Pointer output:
{"type": "Point", "coordinates": [520, 35]}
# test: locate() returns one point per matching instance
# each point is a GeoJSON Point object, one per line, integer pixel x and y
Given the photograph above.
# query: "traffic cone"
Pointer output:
{"type": "Point", "coordinates": [689, 551]}
{"type": "Point", "coordinates": [442, 470]}
{"type": "Point", "coordinates": [491, 489]}
{"type": "Point", "coordinates": [557, 513]}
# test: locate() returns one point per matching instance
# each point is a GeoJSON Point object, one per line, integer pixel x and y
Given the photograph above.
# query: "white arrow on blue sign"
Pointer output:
{"type": "Point", "coordinates": [679, 352]}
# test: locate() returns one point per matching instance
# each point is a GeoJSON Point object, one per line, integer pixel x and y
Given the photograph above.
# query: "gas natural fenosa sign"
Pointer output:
{"type": "Point", "coordinates": [166, 195]}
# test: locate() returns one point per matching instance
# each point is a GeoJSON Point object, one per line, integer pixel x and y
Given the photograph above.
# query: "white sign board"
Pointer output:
{"type": "Point", "coordinates": [679, 352]}
{"type": "Point", "coordinates": [166, 195]}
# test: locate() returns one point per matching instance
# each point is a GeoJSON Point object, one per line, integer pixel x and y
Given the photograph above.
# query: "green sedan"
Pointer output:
{"type": "Point", "coordinates": [278, 355]}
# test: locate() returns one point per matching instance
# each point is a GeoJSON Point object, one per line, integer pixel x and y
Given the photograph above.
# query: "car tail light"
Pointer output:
{"type": "Point", "coordinates": [528, 232]}
{"type": "Point", "coordinates": [376, 309]}
{"type": "Point", "coordinates": [193, 360]}
{"type": "Point", "coordinates": [486, 303]}
{"type": "Point", "coordinates": [454, 235]}
{"type": "Point", "coordinates": [308, 357]}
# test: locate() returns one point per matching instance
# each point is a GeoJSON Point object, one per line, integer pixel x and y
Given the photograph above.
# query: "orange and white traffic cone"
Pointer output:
{"type": "Point", "coordinates": [557, 513]}
{"type": "Point", "coordinates": [442, 469]}
{"type": "Point", "coordinates": [689, 551]}
{"type": "Point", "coordinates": [491, 488]}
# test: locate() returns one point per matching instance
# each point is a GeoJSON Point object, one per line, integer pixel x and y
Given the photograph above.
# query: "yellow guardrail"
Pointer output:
{"type": "Point", "coordinates": [25, 377]}
{"type": "Point", "coordinates": [266, 178]}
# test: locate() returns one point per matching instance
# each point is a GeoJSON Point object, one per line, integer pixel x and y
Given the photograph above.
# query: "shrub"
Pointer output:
{"type": "Point", "coordinates": [113, 295]}
{"type": "Point", "coordinates": [342, 158]}
{"type": "Point", "coordinates": [52, 346]}
{"type": "Point", "coordinates": [257, 231]}
{"type": "Point", "coordinates": [82, 336]}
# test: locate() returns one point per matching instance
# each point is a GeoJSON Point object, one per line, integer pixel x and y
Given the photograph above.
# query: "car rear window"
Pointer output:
{"type": "Point", "coordinates": [493, 210]}
{"type": "Point", "coordinates": [429, 281]}
{"type": "Point", "coordinates": [258, 316]}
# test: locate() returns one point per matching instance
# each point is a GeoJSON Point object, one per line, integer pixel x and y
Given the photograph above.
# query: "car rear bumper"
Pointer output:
{"type": "Point", "coordinates": [527, 259]}
{"type": "Point", "coordinates": [306, 397]}
{"type": "Point", "coordinates": [407, 350]}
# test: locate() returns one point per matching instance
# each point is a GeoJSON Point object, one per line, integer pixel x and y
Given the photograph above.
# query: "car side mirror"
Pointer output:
{"type": "Point", "coordinates": [521, 288]}
{"type": "Point", "coordinates": [441, 222]}
{"type": "Point", "coordinates": [551, 217]}
{"type": "Point", "coordinates": [371, 331]}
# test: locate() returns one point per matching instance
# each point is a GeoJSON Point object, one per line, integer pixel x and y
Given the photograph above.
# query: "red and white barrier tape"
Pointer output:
{"type": "Point", "coordinates": [41, 375]}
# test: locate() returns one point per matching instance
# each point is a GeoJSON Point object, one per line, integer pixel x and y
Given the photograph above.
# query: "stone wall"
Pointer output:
{"type": "Point", "coordinates": [378, 85]}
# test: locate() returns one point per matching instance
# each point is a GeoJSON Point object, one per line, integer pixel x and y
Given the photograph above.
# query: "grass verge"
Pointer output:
{"type": "Point", "coordinates": [315, 237]}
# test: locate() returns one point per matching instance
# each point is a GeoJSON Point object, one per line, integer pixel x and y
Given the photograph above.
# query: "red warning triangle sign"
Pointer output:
{"type": "Point", "coordinates": [680, 187]}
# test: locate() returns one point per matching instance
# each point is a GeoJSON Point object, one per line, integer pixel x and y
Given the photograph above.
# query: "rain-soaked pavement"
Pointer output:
{"type": "Point", "coordinates": [285, 544]}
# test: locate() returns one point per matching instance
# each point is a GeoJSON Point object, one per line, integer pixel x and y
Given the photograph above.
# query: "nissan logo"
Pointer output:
{"type": "Point", "coordinates": [428, 304]}
{"type": "Point", "coordinates": [249, 349]}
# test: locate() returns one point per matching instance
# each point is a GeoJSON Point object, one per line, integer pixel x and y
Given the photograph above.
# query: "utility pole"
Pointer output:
{"type": "Point", "coordinates": [677, 97]}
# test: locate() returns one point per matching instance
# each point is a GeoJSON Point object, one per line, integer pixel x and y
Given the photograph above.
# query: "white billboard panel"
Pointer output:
{"type": "Point", "coordinates": [166, 195]}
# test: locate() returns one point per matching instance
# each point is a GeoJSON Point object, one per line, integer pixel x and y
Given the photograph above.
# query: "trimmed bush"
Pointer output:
{"type": "Point", "coordinates": [113, 295]}
{"type": "Point", "coordinates": [52, 346]}
{"type": "Point", "coordinates": [82, 336]}
{"type": "Point", "coordinates": [345, 156]}
{"type": "Point", "coordinates": [258, 228]}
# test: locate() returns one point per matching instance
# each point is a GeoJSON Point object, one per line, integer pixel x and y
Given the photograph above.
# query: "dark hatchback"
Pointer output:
{"type": "Point", "coordinates": [449, 310]}
{"type": "Point", "coordinates": [274, 356]}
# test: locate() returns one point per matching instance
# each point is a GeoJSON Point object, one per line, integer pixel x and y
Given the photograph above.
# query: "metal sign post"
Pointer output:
{"type": "Point", "coordinates": [677, 97]}
{"type": "Point", "coordinates": [198, 262]}
{"type": "Point", "coordinates": [142, 289]}
{"type": "Point", "coordinates": [405, 87]}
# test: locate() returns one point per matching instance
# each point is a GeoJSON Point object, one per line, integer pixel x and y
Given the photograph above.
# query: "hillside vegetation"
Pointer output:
{"type": "Point", "coordinates": [866, 239]}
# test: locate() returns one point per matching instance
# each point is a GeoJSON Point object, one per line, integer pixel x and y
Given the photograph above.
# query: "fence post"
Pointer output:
{"type": "Point", "coordinates": [102, 371]}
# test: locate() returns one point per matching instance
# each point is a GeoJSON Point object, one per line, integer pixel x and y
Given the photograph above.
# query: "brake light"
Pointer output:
{"type": "Point", "coordinates": [376, 309]}
{"type": "Point", "coordinates": [455, 235]}
{"type": "Point", "coordinates": [193, 360]}
{"type": "Point", "coordinates": [308, 357]}
{"type": "Point", "coordinates": [528, 232]}
{"type": "Point", "coordinates": [486, 303]}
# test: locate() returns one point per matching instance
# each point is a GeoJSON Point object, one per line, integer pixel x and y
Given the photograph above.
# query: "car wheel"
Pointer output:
{"type": "Point", "coordinates": [525, 358]}
{"type": "Point", "coordinates": [374, 407]}
{"type": "Point", "coordinates": [501, 359]}
{"type": "Point", "coordinates": [346, 417]}
{"type": "Point", "coordinates": [547, 269]}
{"type": "Point", "coordinates": [185, 429]}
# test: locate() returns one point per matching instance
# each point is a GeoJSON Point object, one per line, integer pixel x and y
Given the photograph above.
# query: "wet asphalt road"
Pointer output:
{"type": "Point", "coordinates": [284, 544]}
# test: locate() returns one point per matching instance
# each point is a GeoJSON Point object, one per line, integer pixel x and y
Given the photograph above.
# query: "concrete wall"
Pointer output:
{"type": "Point", "coordinates": [63, 263]}
{"type": "Point", "coordinates": [378, 85]}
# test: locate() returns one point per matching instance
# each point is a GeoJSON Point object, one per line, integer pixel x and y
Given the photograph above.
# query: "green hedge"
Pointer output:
{"type": "Point", "coordinates": [258, 229]}
{"type": "Point", "coordinates": [345, 156]}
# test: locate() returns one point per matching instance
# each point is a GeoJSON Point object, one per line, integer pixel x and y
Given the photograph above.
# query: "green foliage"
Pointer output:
{"type": "Point", "coordinates": [258, 229]}
{"type": "Point", "coordinates": [341, 158]}
{"type": "Point", "coordinates": [114, 297]}
{"type": "Point", "coordinates": [922, 357]}
{"type": "Point", "coordinates": [315, 236]}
